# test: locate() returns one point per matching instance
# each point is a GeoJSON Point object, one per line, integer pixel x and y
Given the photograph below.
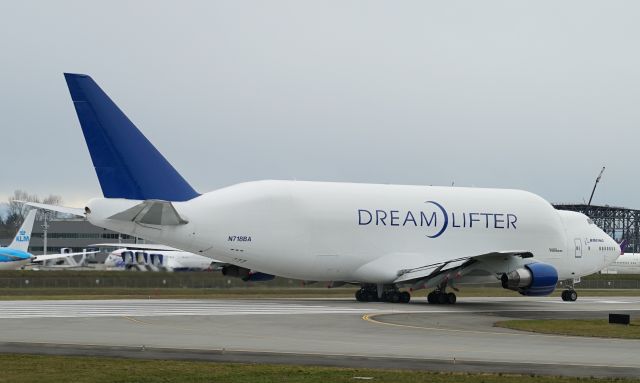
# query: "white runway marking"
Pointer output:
{"type": "Point", "coordinates": [589, 301]}
{"type": "Point", "coordinates": [192, 307]}
{"type": "Point", "coordinates": [101, 308]}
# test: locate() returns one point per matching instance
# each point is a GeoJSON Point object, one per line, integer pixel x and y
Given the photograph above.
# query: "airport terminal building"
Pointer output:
{"type": "Point", "coordinates": [76, 234]}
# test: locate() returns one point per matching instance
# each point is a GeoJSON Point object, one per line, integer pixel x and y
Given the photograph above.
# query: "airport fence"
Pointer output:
{"type": "Point", "coordinates": [135, 280]}
{"type": "Point", "coordinates": [601, 284]}
{"type": "Point", "coordinates": [199, 280]}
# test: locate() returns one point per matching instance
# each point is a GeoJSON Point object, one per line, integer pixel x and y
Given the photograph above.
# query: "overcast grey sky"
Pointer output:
{"type": "Point", "coordinates": [535, 95]}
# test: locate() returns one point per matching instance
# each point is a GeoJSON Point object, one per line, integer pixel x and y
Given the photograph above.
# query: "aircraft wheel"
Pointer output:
{"type": "Point", "coordinates": [370, 296]}
{"type": "Point", "coordinates": [569, 295]}
{"type": "Point", "coordinates": [405, 297]}
{"type": "Point", "coordinates": [442, 298]}
{"type": "Point", "coordinates": [451, 298]}
{"type": "Point", "coordinates": [395, 297]}
{"type": "Point", "coordinates": [359, 297]}
{"type": "Point", "coordinates": [572, 295]}
{"type": "Point", "coordinates": [431, 297]}
{"type": "Point", "coordinates": [564, 295]}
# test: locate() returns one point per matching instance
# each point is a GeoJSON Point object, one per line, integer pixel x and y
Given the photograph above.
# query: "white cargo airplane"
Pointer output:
{"type": "Point", "coordinates": [382, 237]}
{"type": "Point", "coordinates": [627, 263]}
{"type": "Point", "coordinates": [146, 257]}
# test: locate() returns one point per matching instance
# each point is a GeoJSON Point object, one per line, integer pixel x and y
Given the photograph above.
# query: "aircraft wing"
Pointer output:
{"type": "Point", "coordinates": [40, 258]}
{"type": "Point", "coordinates": [435, 273]}
{"type": "Point", "coordinates": [135, 246]}
{"type": "Point", "coordinates": [151, 212]}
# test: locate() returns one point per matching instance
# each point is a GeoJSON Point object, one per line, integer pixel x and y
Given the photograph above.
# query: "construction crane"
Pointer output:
{"type": "Point", "coordinates": [595, 185]}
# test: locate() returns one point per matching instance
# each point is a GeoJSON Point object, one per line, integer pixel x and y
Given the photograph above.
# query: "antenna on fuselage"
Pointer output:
{"type": "Point", "coordinates": [595, 185]}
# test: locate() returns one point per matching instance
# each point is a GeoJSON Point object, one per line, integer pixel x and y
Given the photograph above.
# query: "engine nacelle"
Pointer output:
{"type": "Point", "coordinates": [246, 274]}
{"type": "Point", "coordinates": [534, 279]}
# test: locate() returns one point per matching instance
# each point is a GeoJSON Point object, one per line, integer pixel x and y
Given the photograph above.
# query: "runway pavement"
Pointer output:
{"type": "Point", "coordinates": [326, 332]}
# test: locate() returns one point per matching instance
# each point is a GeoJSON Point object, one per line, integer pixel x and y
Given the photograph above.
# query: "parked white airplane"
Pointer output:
{"type": "Point", "coordinates": [382, 237]}
{"type": "Point", "coordinates": [143, 257]}
{"type": "Point", "coordinates": [627, 263]}
{"type": "Point", "coordinates": [17, 255]}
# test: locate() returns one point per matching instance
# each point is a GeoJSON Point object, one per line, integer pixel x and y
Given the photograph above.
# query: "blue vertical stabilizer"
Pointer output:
{"type": "Point", "coordinates": [127, 164]}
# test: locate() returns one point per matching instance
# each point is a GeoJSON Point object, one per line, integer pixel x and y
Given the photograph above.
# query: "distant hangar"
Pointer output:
{"type": "Point", "coordinates": [619, 222]}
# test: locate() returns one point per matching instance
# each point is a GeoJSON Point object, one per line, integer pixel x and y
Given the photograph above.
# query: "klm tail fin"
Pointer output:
{"type": "Point", "coordinates": [21, 241]}
{"type": "Point", "coordinates": [127, 164]}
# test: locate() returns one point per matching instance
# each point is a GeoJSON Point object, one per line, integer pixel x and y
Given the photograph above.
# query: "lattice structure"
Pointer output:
{"type": "Point", "coordinates": [620, 223]}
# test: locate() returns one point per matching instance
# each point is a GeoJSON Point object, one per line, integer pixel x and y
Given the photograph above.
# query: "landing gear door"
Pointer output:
{"type": "Point", "coordinates": [578, 247]}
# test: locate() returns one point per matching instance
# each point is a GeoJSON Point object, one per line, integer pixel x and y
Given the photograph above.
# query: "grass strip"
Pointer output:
{"type": "Point", "coordinates": [45, 369]}
{"type": "Point", "coordinates": [575, 327]}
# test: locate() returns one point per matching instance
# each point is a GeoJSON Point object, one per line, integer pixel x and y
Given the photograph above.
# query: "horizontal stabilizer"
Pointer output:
{"type": "Point", "coordinates": [152, 212]}
{"type": "Point", "coordinates": [60, 209]}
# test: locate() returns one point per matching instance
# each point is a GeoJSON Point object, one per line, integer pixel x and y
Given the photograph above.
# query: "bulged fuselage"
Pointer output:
{"type": "Point", "coordinates": [369, 232]}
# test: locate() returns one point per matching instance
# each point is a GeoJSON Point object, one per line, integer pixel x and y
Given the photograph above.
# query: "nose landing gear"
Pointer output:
{"type": "Point", "coordinates": [570, 295]}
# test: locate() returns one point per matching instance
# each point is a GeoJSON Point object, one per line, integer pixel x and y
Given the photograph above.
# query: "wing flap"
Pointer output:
{"type": "Point", "coordinates": [425, 271]}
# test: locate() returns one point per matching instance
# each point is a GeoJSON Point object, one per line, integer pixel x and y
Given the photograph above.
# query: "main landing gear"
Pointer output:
{"type": "Point", "coordinates": [569, 295]}
{"type": "Point", "coordinates": [441, 297]}
{"type": "Point", "coordinates": [369, 293]}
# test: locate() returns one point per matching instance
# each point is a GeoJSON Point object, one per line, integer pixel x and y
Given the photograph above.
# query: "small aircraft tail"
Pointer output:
{"type": "Point", "coordinates": [623, 246]}
{"type": "Point", "coordinates": [126, 163]}
{"type": "Point", "coordinates": [21, 240]}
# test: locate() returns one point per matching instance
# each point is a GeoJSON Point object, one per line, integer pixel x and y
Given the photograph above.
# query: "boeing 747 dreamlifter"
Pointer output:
{"type": "Point", "coordinates": [382, 237]}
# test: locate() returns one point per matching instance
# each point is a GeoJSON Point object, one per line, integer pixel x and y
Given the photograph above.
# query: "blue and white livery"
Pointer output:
{"type": "Point", "coordinates": [16, 255]}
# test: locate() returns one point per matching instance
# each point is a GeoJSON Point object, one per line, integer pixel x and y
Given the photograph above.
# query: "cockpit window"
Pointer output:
{"type": "Point", "coordinates": [589, 221]}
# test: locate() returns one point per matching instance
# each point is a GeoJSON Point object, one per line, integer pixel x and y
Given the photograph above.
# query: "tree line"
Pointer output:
{"type": "Point", "coordinates": [11, 221]}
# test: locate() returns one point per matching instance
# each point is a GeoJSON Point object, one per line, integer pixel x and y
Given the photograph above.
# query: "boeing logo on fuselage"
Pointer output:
{"type": "Point", "coordinates": [436, 219]}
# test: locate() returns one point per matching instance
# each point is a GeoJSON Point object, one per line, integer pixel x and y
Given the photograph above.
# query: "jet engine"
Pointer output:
{"type": "Point", "coordinates": [534, 279]}
{"type": "Point", "coordinates": [245, 274]}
